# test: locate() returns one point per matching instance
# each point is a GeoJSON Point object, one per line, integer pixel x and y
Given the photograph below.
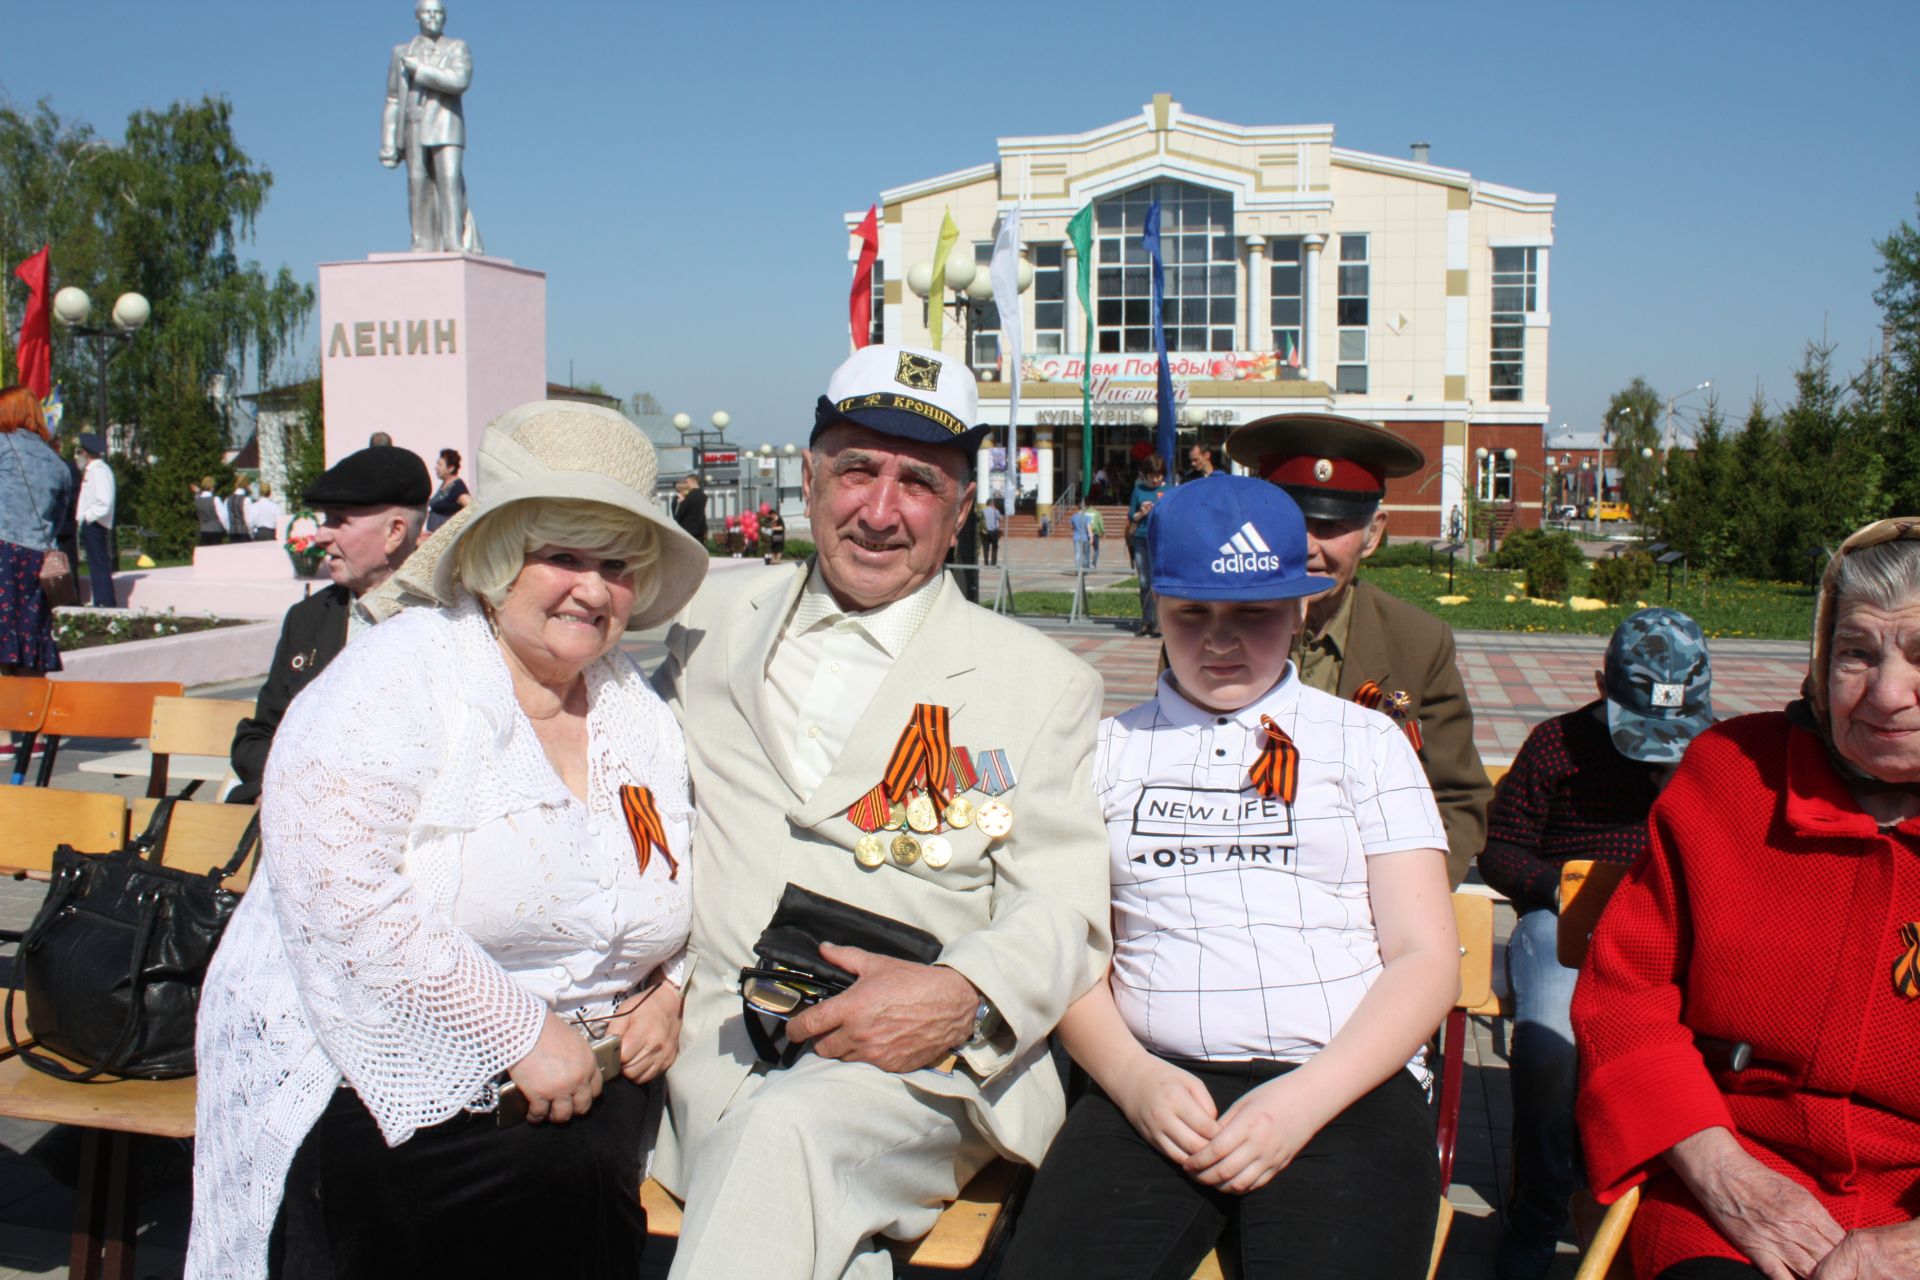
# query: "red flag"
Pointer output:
{"type": "Point", "coordinates": [860, 303]}
{"type": "Point", "coordinates": [35, 351]}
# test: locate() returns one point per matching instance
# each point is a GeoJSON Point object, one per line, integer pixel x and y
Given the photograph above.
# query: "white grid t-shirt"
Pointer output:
{"type": "Point", "coordinates": [1241, 925]}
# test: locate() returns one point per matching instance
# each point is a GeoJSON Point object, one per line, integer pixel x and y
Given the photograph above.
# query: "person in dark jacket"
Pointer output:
{"type": "Point", "coordinates": [691, 514]}
{"type": "Point", "coordinates": [371, 506]}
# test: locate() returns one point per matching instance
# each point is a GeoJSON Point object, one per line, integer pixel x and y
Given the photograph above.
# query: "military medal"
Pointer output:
{"type": "Point", "coordinates": [960, 812]}
{"type": "Point", "coordinates": [996, 775]}
{"type": "Point", "coordinates": [870, 811]}
{"type": "Point", "coordinates": [896, 817]}
{"type": "Point", "coordinates": [936, 852]}
{"type": "Point", "coordinates": [905, 850]}
{"type": "Point", "coordinates": [868, 851]}
{"type": "Point", "coordinates": [994, 819]}
{"type": "Point", "coordinates": [921, 815]}
{"type": "Point", "coordinates": [1398, 704]}
{"type": "Point", "coordinates": [960, 770]}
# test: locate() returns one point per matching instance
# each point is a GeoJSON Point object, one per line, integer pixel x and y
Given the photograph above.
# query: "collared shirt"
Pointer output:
{"type": "Point", "coordinates": [990, 518]}
{"type": "Point", "coordinates": [96, 495]}
{"type": "Point", "coordinates": [1319, 659]}
{"type": "Point", "coordinates": [829, 663]}
{"type": "Point", "coordinates": [1242, 925]}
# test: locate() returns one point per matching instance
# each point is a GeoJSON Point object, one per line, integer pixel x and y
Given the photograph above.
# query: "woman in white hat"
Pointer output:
{"type": "Point", "coordinates": [475, 833]}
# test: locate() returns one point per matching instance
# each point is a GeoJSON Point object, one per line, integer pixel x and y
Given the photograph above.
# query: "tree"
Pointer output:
{"type": "Point", "coordinates": [164, 213]}
{"type": "Point", "coordinates": [1633, 424]}
{"type": "Point", "coordinates": [1693, 514]}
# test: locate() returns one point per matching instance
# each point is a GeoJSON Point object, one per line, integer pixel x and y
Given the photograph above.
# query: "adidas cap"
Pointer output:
{"type": "Point", "coordinates": [1231, 538]}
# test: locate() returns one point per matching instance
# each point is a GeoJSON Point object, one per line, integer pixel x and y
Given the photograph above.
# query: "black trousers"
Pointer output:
{"type": "Point", "coordinates": [98, 540]}
{"type": "Point", "coordinates": [1359, 1200]}
{"type": "Point", "coordinates": [466, 1198]}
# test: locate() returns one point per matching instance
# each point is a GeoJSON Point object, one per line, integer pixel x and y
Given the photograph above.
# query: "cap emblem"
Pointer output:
{"type": "Point", "coordinates": [1669, 695]}
{"type": "Point", "coordinates": [1246, 552]}
{"type": "Point", "coordinates": [922, 373]}
{"type": "Point", "coordinates": [1323, 470]}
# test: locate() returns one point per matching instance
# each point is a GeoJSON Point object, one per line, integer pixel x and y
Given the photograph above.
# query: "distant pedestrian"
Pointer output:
{"type": "Point", "coordinates": [452, 494]}
{"type": "Point", "coordinates": [94, 515]}
{"type": "Point", "coordinates": [212, 516]}
{"type": "Point", "coordinates": [263, 515]}
{"type": "Point", "coordinates": [1082, 532]}
{"type": "Point", "coordinates": [990, 521]}
{"type": "Point", "coordinates": [1147, 492]}
{"type": "Point", "coordinates": [775, 529]}
{"type": "Point", "coordinates": [691, 513]}
{"type": "Point", "coordinates": [35, 488]}
{"type": "Point", "coordinates": [1096, 530]}
{"type": "Point", "coordinates": [239, 529]}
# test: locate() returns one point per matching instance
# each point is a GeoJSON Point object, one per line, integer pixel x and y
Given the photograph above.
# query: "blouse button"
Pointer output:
{"type": "Point", "coordinates": [600, 945]}
{"type": "Point", "coordinates": [606, 882]}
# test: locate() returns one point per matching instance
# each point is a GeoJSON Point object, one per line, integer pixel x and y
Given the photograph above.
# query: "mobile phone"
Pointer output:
{"type": "Point", "coordinates": [512, 1105]}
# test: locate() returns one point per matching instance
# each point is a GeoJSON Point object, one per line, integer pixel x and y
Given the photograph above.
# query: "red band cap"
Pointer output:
{"type": "Point", "coordinates": [1343, 474]}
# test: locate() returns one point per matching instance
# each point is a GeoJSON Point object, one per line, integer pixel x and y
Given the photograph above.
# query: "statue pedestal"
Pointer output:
{"type": "Point", "coordinates": [428, 347]}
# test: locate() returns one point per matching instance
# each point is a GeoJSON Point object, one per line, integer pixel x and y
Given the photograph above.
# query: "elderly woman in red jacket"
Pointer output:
{"type": "Point", "coordinates": [1779, 906]}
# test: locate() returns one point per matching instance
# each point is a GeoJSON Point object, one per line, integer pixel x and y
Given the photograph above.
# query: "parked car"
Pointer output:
{"type": "Point", "coordinates": [1614, 511]}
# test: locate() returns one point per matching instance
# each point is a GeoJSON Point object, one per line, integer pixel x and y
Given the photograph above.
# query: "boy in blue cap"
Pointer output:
{"type": "Point", "coordinates": [1283, 947]}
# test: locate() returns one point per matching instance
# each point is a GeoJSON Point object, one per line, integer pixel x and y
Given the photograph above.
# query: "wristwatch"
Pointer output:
{"type": "Point", "coordinates": [986, 1024]}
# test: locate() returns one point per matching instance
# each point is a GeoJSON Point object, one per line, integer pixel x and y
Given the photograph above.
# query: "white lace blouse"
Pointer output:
{"type": "Point", "coordinates": [370, 947]}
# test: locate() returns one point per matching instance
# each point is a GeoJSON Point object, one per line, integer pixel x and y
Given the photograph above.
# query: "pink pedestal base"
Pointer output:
{"type": "Point", "coordinates": [240, 580]}
{"type": "Point", "coordinates": [428, 347]}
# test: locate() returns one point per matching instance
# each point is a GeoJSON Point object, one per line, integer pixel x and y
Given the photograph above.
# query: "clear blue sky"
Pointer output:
{"type": "Point", "coordinates": [1722, 168]}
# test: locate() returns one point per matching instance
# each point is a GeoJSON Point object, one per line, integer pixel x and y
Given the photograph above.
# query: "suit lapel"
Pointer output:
{"type": "Point", "coordinates": [748, 646]}
{"type": "Point", "coordinates": [1366, 659]}
{"type": "Point", "coordinates": [930, 670]}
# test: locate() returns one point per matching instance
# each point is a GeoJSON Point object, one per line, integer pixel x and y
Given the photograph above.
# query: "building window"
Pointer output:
{"type": "Point", "coordinates": [1350, 376]}
{"type": "Point", "coordinates": [1049, 299]}
{"type": "Point", "coordinates": [984, 318]}
{"type": "Point", "coordinates": [1284, 284]}
{"type": "Point", "coordinates": [1496, 477]}
{"type": "Point", "coordinates": [877, 329]}
{"type": "Point", "coordinates": [1197, 252]}
{"type": "Point", "coordinates": [1515, 289]}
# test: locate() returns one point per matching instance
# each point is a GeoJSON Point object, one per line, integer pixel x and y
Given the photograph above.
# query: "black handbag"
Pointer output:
{"type": "Point", "coordinates": [791, 976]}
{"type": "Point", "coordinates": [112, 963]}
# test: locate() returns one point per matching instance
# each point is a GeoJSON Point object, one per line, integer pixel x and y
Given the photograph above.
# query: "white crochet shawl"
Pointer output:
{"type": "Point", "coordinates": [342, 960]}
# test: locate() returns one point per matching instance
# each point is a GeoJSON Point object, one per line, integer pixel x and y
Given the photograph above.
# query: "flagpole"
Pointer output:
{"type": "Point", "coordinates": [1004, 272]}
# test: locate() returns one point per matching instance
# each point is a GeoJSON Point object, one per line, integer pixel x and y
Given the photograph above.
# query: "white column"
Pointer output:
{"type": "Point", "coordinates": [1043, 441]}
{"type": "Point", "coordinates": [1310, 309]}
{"type": "Point", "coordinates": [1256, 297]}
{"type": "Point", "coordinates": [983, 473]}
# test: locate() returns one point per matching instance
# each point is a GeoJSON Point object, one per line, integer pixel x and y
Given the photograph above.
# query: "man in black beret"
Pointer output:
{"type": "Point", "coordinates": [371, 506]}
{"type": "Point", "coordinates": [1360, 642]}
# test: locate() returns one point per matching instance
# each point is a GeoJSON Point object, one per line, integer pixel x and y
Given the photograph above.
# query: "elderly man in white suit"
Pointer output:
{"type": "Point", "coordinates": [796, 683]}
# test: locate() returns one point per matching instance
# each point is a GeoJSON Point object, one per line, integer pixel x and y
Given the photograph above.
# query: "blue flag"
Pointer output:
{"type": "Point", "coordinates": [1163, 436]}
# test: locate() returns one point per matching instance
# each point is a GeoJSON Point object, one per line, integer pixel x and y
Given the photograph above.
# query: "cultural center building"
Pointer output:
{"type": "Point", "coordinates": [1299, 275]}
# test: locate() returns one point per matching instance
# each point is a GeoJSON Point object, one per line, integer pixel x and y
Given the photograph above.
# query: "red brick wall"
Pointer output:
{"type": "Point", "coordinates": [1527, 441]}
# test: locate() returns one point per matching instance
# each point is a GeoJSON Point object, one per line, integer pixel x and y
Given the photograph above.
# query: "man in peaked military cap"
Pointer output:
{"type": "Point", "coordinates": [858, 729]}
{"type": "Point", "coordinates": [1359, 642]}
{"type": "Point", "coordinates": [371, 506]}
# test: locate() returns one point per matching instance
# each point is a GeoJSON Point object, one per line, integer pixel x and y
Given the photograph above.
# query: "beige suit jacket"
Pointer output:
{"type": "Point", "coordinates": [1025, 919]}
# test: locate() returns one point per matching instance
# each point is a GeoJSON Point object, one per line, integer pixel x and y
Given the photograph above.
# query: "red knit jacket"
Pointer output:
{"type": "Point", "coordinates": [1768, 910]}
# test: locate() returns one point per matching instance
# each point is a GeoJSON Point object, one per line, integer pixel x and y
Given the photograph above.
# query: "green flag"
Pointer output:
{"type": "Point", "coordinates": [1080, 232]}
{"type": "Point", "coordinates": [937, 295]}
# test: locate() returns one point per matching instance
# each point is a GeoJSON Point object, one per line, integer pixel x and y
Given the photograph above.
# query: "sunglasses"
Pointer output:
{"type": "Point", "coordinates": [780, 992]}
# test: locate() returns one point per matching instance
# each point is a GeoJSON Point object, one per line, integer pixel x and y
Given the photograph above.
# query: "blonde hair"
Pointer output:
{"type": "Point", "coordinates": [495, 549]}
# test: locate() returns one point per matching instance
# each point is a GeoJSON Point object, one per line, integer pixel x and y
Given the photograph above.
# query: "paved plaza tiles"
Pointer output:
{"type": "Point", "coordinates": [1515, 681]}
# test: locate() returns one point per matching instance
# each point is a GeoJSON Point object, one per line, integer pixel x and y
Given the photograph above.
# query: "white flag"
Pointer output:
{"type": "Point", "coordinates": [1004, 272]}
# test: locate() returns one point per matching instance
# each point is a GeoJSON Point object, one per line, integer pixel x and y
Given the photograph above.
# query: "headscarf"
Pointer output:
{"type": "Point", "coordinates": [1812, 711]}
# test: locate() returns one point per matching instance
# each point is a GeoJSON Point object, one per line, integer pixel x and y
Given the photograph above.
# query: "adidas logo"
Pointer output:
{"type": "Point", "coordinates": [1246, 552]}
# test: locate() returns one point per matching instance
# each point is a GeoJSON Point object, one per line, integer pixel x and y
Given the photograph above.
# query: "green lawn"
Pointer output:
{"type": "Point", "coordinates": [1722, 606]}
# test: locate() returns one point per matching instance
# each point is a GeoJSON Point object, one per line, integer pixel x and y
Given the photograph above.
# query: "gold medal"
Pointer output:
{"type": "Point", "coordinates": [906, 850]}
{"type": "Point", "coordinates": [896, 817]}
{"type": "Point", "coordinates": [921, 815]}
{"type": "Point", "coordinates": [995, 820]}
{"type": "Point", "coordinates": [869, 852]}
{"type": "Point", "coordinates": [960, 812]}
{"type": "Point", "coordinates": [936, 852]}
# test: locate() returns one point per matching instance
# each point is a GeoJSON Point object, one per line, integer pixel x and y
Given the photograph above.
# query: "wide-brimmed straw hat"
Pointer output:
{"type": "Point", "coordinates": [563, 449]}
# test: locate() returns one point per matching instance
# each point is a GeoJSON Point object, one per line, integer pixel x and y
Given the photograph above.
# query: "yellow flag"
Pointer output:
{"type": "Point", "coordinates": [937, 295]}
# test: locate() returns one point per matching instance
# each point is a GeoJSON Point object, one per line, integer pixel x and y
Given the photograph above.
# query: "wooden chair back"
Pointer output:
{"type": "Point", "coordinates": [190, 727]}
{"type": "Point", "coordinates": [104, 708]}
{"type": "Point", "coordinates": [201, 836]}
{"type": "Point", "coordinates": [35, 819]}
{"type": "Point", "coordinates": [23, 703]}
{"type": "Point", "coordinates": [1585, 887]}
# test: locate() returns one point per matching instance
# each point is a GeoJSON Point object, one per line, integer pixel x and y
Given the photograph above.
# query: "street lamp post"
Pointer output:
{"type": "Point", "coordinates": [1673, 439]}
{"type": "Point", "coordinates": [130, 313]}
{"type": "Point", "coordinates": [721, 420]}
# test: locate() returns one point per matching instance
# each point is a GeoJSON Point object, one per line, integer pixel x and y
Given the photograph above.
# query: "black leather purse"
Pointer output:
{"type": "Point", "coordinates": [791, 976]}
{"type": "Point", "coordinates": [113, 962]}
